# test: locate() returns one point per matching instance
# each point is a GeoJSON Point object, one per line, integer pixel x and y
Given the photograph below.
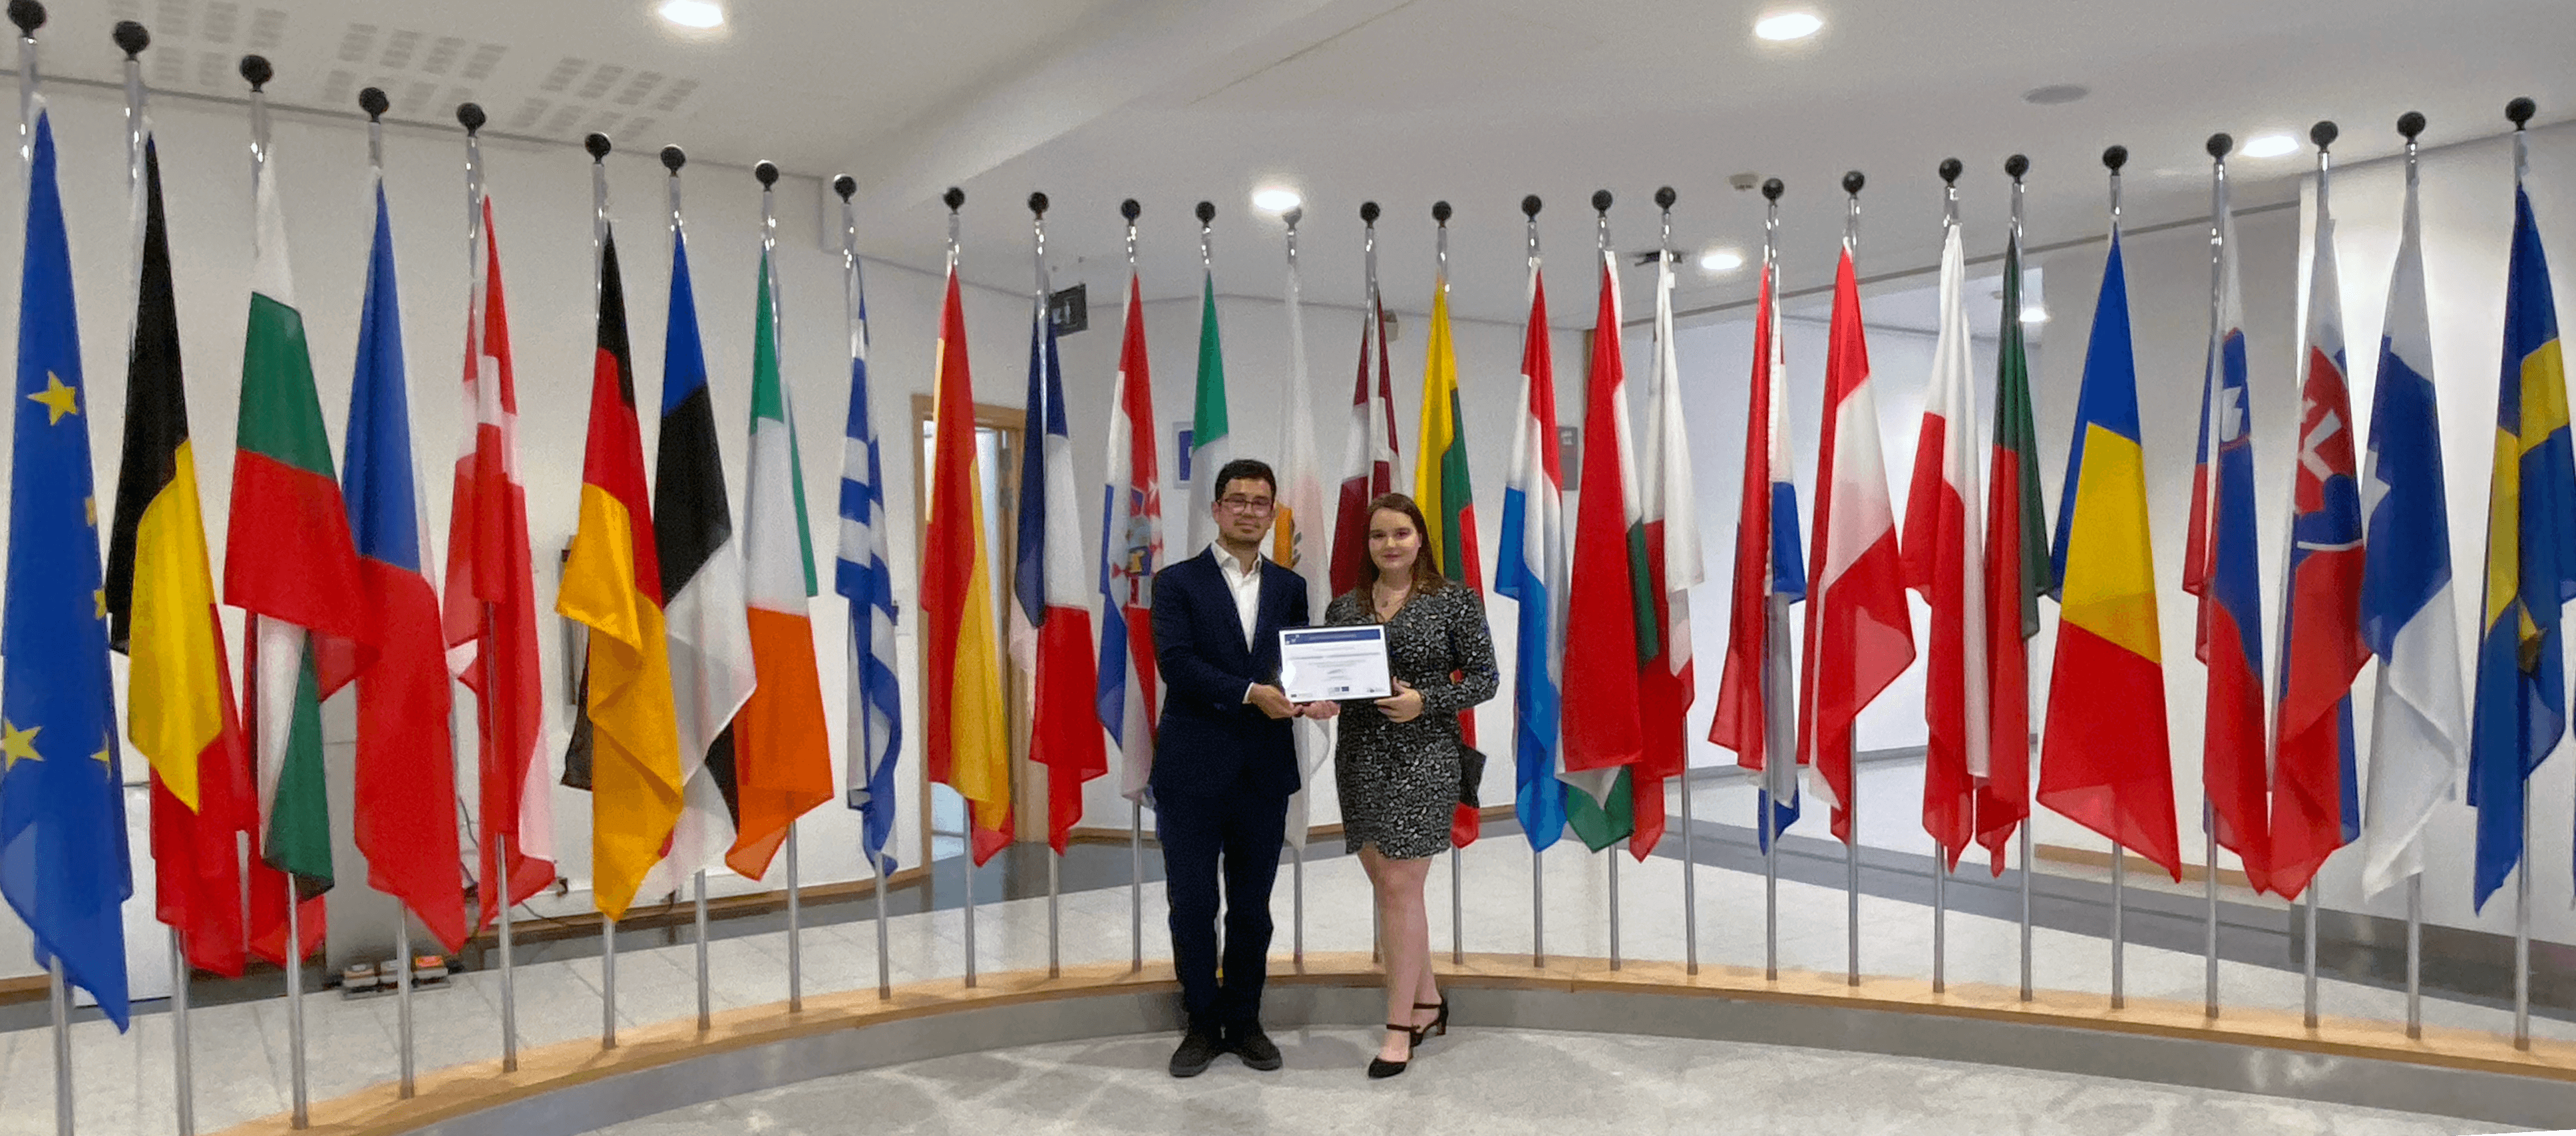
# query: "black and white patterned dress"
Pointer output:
{"type": "Point", "coordinates": [1399, 780]}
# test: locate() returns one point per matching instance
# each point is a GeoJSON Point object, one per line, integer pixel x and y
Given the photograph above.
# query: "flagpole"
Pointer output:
{"type": "Point", "coordinates": [1130, 210]}
{"type": "Point", "coordinates": [1950, 170]}
{"type": "Point", "coordinates": [59, 995]}
{"type": "Point", "coordinates": [1601, 211]}
{"type": "Point", "coordinates": [598, 146]}
{"type": "Point", "coordinates": [1440, 213]}
{"type": "Point", "coordinates": [2411, 124]}
{"type": "Point", "coordinates": [373, 101]}
{"type": "Point", "coordinates": [1297, 847]}
{"type": "Point", "coordinates": [2015, 167]}
{"type": "Point", "coordinates": [854, 313]}
{"type": "Point", "coordinates": [1664, 199]}
{"type": "Point", "coordinates": [767, 174]}
{"type": "Point", "coordinates": [2114, 158]}
{"type": "Point", "coordinates": [955, 199]}
{"type": "Point", "coordinates": [2323, 134]}
{"type": "Point", "coordinates": [1763, 805]}
{"type": "Point", "coordinates": [672, 159]}
{"type": "Point", "coordinates": [1538, 856]}
{"type": "Point", "coordinates": [2519, 112]}
{"type": "Point", "coordinates": [1852, 183]}
{"type": "Point", "coordinates": [1376, 310]}
{"type": "Point", "coordinates": [2219, 146]}
{"type": "Point", "coordinates": [1055, 857]}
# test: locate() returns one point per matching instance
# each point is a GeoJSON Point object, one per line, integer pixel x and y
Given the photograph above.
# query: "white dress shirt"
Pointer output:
{"type": "Point", "coordinates": [1245, 583]}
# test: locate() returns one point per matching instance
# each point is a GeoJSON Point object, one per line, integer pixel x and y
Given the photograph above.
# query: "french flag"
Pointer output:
{"type": "Point", "coordinates": [1131, 548]}
{"type": "Point", "coordinates": [1047, 583]}
{"type": "Point", "coordinates": [1756, 695]}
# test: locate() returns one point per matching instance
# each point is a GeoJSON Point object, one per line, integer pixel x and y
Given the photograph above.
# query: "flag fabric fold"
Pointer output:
{"type": "Point", "coordinates": [1604, 737]}
{"type": "Point", "coordinates": [1859, 634]}
{"type": "Point", "coordinates": [2219, 568]}
{"type": "Point", "coordinates": [1536, 574]}
{"type": "Point", "coordinates": [1756, 693]}
{"type": "Point", "coordinates": [1668, 512]}
{"type": "Point", "coordinates": [181, 714]}
{"type": "Point", "coordinates": [2105, 761]}
{"type": "Point", "coordinates": [64, 866]}
{"type": "Point", "coordinates": [1442, 490]}
{"type": "Point", "coordinates": [862, 577]}
{"type": "Point", "coordinates": [1131, 550]}
{"type": "Point", "coordinates": [1300, 541]}
{"type": "Point", "coordinates": [2419, 723]}
{"type": "Point", "coordinates": [1944, 556]}
{"type": "Point", "coordinates": [782, 758]}
{"type": "Point", "coordinates": [626, 746]}
{"type": "Point", "coordinates": [966, 743]}
{"type": "Point", "coordinates": [2018, 573]}
{"type": "Point", "coordinates": [490, 617]}
{"type": "Point", "coordinates": [2520, 704]}
{"type": "Point", "coordinates": [404, 810]}
{"type": "Point", "coordinates": [1046, 582]}
{"type": "Point", "coordinates": [1369, 455]}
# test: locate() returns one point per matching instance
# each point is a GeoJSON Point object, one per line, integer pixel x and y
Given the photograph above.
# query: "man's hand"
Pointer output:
{"type": "Point", "coordinates": [1405, 706]}
{"type": "Point", "coordinates": [1322, 709]}
{"type": "Point", "coordinates": [1271, 701]}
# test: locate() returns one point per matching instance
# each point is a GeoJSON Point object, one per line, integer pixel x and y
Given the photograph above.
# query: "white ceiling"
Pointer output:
{"type": "Point", "coordinates": [1406, 101]}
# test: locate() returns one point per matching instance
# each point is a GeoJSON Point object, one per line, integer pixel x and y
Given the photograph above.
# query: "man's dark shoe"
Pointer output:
{"type": "Point", "coordinates": [1255, 1047]}
{"type": "Point", "coordinates": [1198, 1050]}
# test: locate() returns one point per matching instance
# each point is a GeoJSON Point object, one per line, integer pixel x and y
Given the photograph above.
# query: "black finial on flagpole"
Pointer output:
{"type": "Point", "coordinates": [597, 144]}
{"type": "Point", "coordinates": [2115, 157]}
{"type": "Point", "coordinates": [1530, 206]}
{"type": "Point", "coordinates": [1368, 212]}
{"type": "Point", "coordinates": [1852, 182]}
{"type": "Point", "coordinates": [1206, 213]}
{"type": "Point", "coordinates": [767, 172]}
{"type": "Point", "coordinates": [470, 116]}
{"type": "Point", "coordinates": [1601, 202]}
{"type": "Point", "coordinates": [1130, 210]}
{"type": "Point", "coordinates": [846, 186]}
{"type": "Point", "coordinates": [254, 68]}
{"type": "Point", "coordinates": [2410, 124]}
{"type": "Point", "coordinates": [1038, 204]}
{"type": "Point", "coordinates": [2324, 133]}
{"type": "Point", "coordinates": [373, 101]}
{"type": "Point", "coordinates": [1772, 188]}
{"type": "Point", "coordinates": [953, 199]}
{"type": "Point", "coordinates": [131, 37]}
{"type": "Point", "coordinates": [673, 158]}
{"type": "Point", "coordinates": [28, 15]}
{"type": "Point", "coordinates": [2016, 166]}
{"type": "Point", "coordinates": [2220, 145]}
{"type": "Point", "coordinates": [1440, 212]}
{"type": "Point", "coordinates": [2519, 110]}
{"type": "Point", "coordinates": [1665, 197]}
{"type": "Point", "coordinates": [1951, 169]}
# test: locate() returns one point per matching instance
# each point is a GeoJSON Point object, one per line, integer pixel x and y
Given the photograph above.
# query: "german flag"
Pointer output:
{"type": "Point", "coordinates": [612, 583]}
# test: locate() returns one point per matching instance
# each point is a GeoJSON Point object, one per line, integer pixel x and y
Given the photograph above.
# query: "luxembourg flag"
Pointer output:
{"type": "Point", "coordinates": [1535, 573]}
{"type": "Point", "coordinates": [1047, 583]}
{"type": "Point", "coordinates": [1131, 549]}
{"type": "Point", "coordinates": [2419, 725]}
{"type": "Point", "coordinates": [1756, 696]}
{"type": "Point", "coordinates": [1945, 561]}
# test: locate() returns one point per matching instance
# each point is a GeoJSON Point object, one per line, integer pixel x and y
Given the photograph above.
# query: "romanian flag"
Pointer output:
{"type": "Point", "coordinates": [2105, 761]}
{"type": "Point", "coordinates": [1757, 701]}
{"type": "Point", "coordinates": [612, 584]}
{"type": "Point", "coordinates": [966, 741]}
{"type": "Point", "coordinates": [1441, 489]}
{"type": "Point", "coordinates": [1945, 563]}
{"type": "Point", "coordinates": [1668, 508]}
{"type": "Point", "coordinates": [2018, 572]}
{"type": "Point", "coordinates": [1609, 603]}
{"type": "Point", "coordinates": [2521, 700]}
{"type": "Point", "coordinates": [294, 567]}
{"type": "Point", "coordinates": [161, 613]}
{"type": "Point", "coordinates": [1047, 587]}
{"type": "Point", "coordinates": [782, 761]}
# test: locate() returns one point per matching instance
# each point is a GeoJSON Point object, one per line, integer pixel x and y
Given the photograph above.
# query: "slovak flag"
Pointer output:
{"type": "Point", "coordinates": [1757, 696]}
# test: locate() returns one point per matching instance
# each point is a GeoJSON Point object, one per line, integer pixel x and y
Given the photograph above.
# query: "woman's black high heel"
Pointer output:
{"type": "Point", "coordinates": [1380, 1068]}
{"type": "Point", "coordinates": [1439, 1023]}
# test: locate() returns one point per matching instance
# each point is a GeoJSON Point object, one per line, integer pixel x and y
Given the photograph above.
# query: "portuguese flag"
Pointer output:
{"type": "Point", "coordinates": [292, 566]}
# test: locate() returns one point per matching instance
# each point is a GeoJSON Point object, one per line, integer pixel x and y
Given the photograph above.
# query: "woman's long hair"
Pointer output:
{"type": "Point", "coordinates": [1426, 572]}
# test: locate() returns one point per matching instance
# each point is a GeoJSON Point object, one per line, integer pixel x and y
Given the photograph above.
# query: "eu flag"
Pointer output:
{"type": "Point", "coordinates": [62, 808]}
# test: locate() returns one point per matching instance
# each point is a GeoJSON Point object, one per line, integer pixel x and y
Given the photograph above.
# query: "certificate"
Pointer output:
{"type": "Point", "coordinates": [1321, 663]}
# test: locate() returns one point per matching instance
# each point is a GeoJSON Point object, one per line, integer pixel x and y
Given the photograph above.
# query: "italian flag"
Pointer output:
{"type": "Point", "coordinates": [292, 567]}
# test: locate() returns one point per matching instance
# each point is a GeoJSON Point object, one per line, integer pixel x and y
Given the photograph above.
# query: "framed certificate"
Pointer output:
{"type": "Point", "coordinates": [1321, 663]}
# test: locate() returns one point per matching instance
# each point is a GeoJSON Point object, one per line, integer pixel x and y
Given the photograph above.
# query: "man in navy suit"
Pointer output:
{"type": "Point", "coordinates": [1225, 764]}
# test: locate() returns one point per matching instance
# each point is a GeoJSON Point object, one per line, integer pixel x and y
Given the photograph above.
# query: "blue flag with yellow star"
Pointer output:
{"type": "Point", "coordinates": [63, 864]}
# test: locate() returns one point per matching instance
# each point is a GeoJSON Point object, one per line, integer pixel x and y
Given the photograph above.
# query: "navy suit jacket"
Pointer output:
{"type": "Point", "coordinates": [1210, 741]}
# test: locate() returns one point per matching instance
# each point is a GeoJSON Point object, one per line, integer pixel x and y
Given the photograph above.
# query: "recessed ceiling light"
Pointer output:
{"type": "Point", "coordinates": [2055, 94]}
{"type": "Point", "coordinates": [2034, 314]}
{"type": "Point", "coordinates": [1781, 26]}
{"type": "Point", "coordinates": [2270, 146]}
{"type": "Point", "coordinates": [695, 14]}
{"type": "Point", "coordinates": [1276, 199]}
{"type": "Point", "coordinates": [1721, 260]}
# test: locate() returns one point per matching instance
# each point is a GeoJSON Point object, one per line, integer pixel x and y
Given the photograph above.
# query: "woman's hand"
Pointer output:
{"type": "Point", "coordinates": [1405, 706]}
{"type": "Point", "coordinates": [1322, 709]}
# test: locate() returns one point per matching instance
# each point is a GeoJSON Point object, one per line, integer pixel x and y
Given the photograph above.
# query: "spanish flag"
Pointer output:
{"type": "Point", "coordinates": [612, 583]}
{"type": "Point", "coordinates": [967, 745]}
{"type": "Point", "coordinates": [2105, 761]}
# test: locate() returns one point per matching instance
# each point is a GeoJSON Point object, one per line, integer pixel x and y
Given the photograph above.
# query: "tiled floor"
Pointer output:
{"type": "Point", "coordinates": [124, 1081]}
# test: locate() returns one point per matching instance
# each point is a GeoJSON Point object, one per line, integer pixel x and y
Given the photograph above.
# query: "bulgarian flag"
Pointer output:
{"type": "Point", "coordinates": [1440, 487]}
{"type": "Point", "coordinates": [161, 613]}
{"type": "Point", "coordinates": [1944, 561]}
{"type": "Point", "coordinates": [294, 569]}
{"type": "Point", "coordinates": [1668, 507]}
{"type": "Point", "coordinates": [1610, 616]}
{"type": "Point", "coordinates": [966, 744]}
{"type": "Point", "coordinates": [782, 760]}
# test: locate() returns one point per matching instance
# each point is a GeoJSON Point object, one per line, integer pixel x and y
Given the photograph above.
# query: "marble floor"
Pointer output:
{"type": "Point", "coordinates": [1504, 1082]}
{"type": "Point", "coordinates": [124, 1081]}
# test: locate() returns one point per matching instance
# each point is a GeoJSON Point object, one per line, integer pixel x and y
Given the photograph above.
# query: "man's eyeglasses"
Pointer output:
{"type": "Point", "coordinates": [1247, 504]}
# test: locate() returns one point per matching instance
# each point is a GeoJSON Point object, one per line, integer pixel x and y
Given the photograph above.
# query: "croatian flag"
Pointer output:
{"type": "Point", "coordinates": [1047, 583]}
{"type": "Point", "coordinates": [1131, 548]}
{"type": "Point", "coordinates": [1535, 573]}
{"type": "Point", "coordinates": [1756, 696]}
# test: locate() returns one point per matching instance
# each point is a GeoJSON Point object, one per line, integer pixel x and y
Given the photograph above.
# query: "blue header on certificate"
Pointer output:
{"type": "Point", "coordinates": [1336, 663]}
{"type": "Point", "coordinates": [1309, 636]}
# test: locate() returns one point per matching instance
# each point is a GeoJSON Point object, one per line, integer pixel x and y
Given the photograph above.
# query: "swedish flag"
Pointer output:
{"type": "Point", "coordinates": [63, 860]}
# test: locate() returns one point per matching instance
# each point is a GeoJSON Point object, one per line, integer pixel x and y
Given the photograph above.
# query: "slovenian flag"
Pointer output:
{"type": "Point", "coordinates": [1756, 697]}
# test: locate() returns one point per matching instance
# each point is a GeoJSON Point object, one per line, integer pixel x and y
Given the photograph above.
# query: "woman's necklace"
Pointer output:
{"type": "Point", "coordinates": [1388, 603]}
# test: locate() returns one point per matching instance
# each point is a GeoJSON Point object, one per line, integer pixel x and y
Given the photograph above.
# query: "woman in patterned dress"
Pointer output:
{"type": "Point", "coordinates": [1396, 765]}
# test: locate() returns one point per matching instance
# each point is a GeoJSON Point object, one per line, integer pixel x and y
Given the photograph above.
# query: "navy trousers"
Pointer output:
{"type": "Point", "coordinates": [1234, 838]}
